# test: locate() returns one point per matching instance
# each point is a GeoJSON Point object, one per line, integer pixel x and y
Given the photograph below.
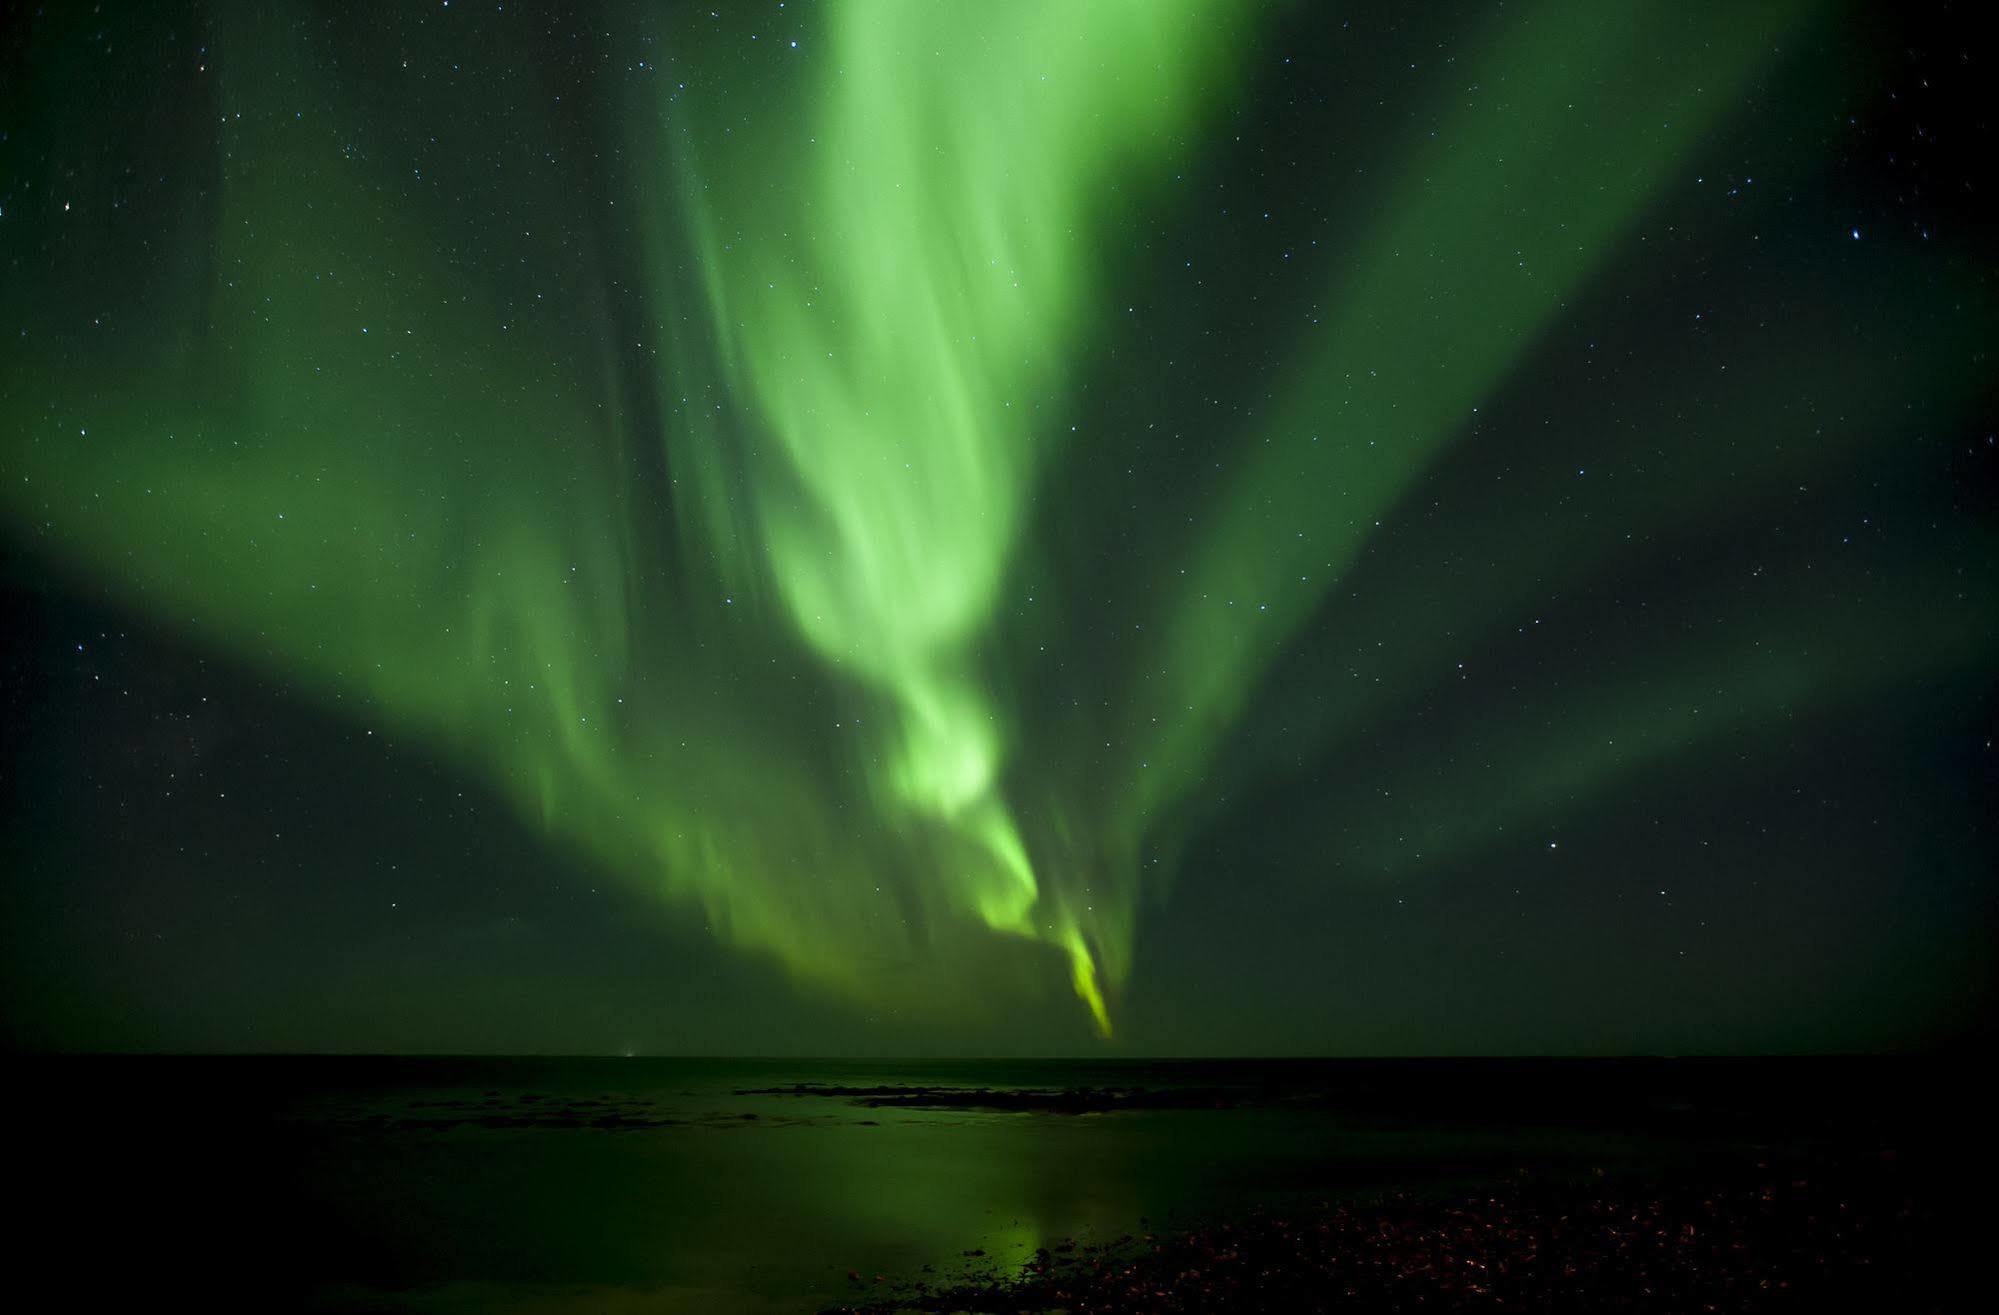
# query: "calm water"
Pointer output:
{"type": "Point", "coordinates": [647, 1185]}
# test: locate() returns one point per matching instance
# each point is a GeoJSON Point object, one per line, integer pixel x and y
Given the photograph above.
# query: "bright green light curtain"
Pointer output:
{"type": "Point", "coordinates": [719, 571]}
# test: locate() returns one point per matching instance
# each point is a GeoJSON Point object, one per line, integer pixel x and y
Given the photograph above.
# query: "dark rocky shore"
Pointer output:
{"type": "Point", "coordinates": [1775, 1238]}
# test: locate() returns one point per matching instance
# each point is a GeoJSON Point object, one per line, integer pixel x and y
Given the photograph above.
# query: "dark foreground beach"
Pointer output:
{"type": "Point", "coordinates": [1768, 1241]}
{"type": "Point", "coordinates": [556, 1186]}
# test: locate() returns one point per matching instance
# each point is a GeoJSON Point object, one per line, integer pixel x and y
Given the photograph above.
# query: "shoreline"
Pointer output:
{"type": "Point", "coordinates": [1858, 1233]}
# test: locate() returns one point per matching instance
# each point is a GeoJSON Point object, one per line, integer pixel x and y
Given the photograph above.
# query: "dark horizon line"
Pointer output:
{"type": "Point", "coordinates": [1930, 1052]}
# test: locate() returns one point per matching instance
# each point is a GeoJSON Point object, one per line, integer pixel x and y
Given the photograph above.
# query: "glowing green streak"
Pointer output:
{"type": "Point", "coordinates": [900, 319]}
{"type": "Point", "coordinates": [1768, 669]}
{"type": "Point", "coordinates": [418, 505]}
{"type": "Point", "coordinates": [1634, 521]}
{"type": "Point", "coordinates": [1499, 215]}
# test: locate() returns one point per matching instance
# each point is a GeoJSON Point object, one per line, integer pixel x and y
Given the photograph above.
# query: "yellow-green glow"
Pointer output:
{"type": "Point", "coordinates": [899, 305]}
{"type": "Point", "coordinates": [708, 528]}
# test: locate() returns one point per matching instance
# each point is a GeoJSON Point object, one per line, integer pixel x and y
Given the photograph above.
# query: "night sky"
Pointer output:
{"type": "Point", "coordinates": [1124, 528]}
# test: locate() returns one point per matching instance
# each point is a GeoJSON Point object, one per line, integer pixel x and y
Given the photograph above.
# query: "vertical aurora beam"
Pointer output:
{"type": "Point", "coordinates": [1416, 622]}
{"type": "Point", "coordinates": [900, 317]}
{"type": "Point", "coordinates": [1497, 216]}
{"type": "Point", "coordinates": [369, 466]}
{"type": "Point", "coordinates": [366, 473]}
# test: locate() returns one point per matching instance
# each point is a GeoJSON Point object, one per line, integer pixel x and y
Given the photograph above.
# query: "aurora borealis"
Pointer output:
{"type": "Point", "coordinates": [1274, 523]}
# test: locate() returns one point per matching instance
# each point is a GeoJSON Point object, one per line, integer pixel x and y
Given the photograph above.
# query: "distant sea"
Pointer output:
{"type": "Point", "coordinates": [684, 1185]}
